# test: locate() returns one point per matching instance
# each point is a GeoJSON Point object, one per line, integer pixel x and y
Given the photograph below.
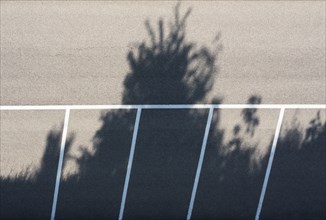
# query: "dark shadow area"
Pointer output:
{"type": "Point", "coordinates": [25, 196]}
{"type": "Point", "coordinates": [95, 192]}
{"type": "Point", "coordinates": [167, 70]}
{"type": "Point", "coordinates": [170, 70]}
{"type": "Point", "coordinates": [297, 185]}
{"type": "Point", "coordinates": [165, 163]}
{"type": "Point", "coordinates": [230, 182]}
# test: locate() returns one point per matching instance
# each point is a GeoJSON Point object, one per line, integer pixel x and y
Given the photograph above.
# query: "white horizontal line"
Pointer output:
{"type": "Point", "coordinates": [164, 106]}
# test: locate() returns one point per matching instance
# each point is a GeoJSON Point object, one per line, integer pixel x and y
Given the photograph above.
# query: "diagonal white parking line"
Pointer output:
{"type": "Point", "coordinates": [270, 162]}
{"type": "Point", "coordinates": [131, 157]}
{"type": "Point", "coordinates": [62, 151]}
{"type": "Point", "coordinates": [200, 163]}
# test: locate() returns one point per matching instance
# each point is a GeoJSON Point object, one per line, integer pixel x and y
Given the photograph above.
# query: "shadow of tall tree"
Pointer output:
{"type": "Point", "coordinates": [167, 70]}
{"type": "Point", "coordinates": [170, 70]}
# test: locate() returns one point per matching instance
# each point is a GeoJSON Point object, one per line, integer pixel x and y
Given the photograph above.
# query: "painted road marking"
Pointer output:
{"type": "Point", "coordinates": [282, 108]}
{"type": "Point", "coordinates": [270, 162]}
{"type": "Point", "coordinates": [200, 163]}
{"type": "Point", "coordinates": [164, 106]}
{"type": "Point", "coordinates": [62, 150]}
{"type": "Point", "coordinates": [131, 157]}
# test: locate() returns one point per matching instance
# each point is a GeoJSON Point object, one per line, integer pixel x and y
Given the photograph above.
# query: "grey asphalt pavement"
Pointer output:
{"type": "Point", "coordinates": [56, 52]}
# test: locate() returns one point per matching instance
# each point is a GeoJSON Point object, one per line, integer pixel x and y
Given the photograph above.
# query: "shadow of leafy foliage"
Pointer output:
{"type": "Point", "coordinates": [298, 179]}
{"type": "Point", "coordinates": [171, 70]}
{"type": "Point", "coordinates": [26, 196]}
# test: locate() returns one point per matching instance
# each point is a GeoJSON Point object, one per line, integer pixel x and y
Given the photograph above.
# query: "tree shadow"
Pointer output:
{"type": "Point", "coordinates": [168, 70]}
{"type": "Point", "coordinates": [298, 179]}
{"type": "Point", "coordinates": [231, 181]}
{"type": "Point", "coordinates": [26, 196]}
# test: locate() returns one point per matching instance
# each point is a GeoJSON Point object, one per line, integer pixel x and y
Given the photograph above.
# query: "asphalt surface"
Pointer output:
{"type": "Point", "coordinates": [164, 166]}
{"type": "Point", "coordinates": [76, 53]}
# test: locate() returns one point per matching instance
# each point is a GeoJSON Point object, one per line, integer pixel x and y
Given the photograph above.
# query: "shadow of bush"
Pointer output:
{"type": "Point", "coordinates": [169, 70]}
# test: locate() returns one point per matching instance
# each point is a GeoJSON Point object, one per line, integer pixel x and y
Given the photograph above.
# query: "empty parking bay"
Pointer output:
{"type": "Point", "coordinates": [297, 185]}
{"type": "Point", "coordinates": [95, 163]}
{"type": "Point", "coordinates": [235, 162]}
{"type": "Point", "coordinates": [30, 144]}
{"type": "Point", "coordinates": [166, 157]}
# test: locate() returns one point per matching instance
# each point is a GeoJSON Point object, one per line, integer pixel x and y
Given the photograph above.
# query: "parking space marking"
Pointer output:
{"type": "Point", "coordinates": [163, 106]}
{"type": "Point", "coordinates": [270, 162]}
{"type": "Point", "coordinates": [211, 107]}
{"type": "Point", "coordinates": [131, 157]}
{"type": "Point", "coordinates": [200, 163]}
{"type": "Point", "coordinates": [62, 150]}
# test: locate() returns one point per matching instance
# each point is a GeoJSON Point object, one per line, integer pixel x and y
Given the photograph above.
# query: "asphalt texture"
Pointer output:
{"type": "Point", "coordinates": [55, 53]}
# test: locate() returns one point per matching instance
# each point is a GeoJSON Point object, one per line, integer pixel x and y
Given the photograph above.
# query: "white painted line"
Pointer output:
{"type": "Point", "coordinates": [270, 162]}
{"type": "Point", "coordinates": [62, 150]}
{"type": "Point", "coordinates": [200, 163]}
{"type": "Point", "coordinates": [131, 157]}
{"type": "Point", "coordinates": [164, 106]}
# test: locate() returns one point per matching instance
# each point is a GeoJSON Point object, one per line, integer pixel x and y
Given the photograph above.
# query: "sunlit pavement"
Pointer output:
{"type": "Point", "coordinates": [161, 164]}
